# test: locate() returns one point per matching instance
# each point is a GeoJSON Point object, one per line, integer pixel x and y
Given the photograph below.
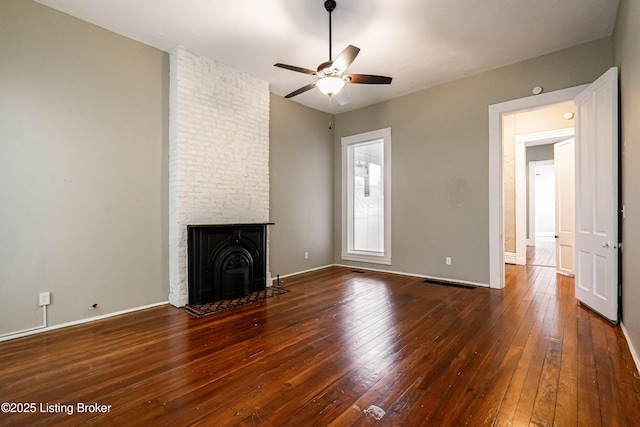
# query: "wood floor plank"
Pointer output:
{"type": "Point", "coordinates": [566, 405]}
{"type": "Point", "coordinates": [338, 343]}
{"type": "Point", "coordinates": [546, 397]}
{"type": "Point", "coordinates": [610, 400]}
{"type": "Point", "coordinates": [588, 398]}
{"type": "Point", "coordinates": [518, 402]}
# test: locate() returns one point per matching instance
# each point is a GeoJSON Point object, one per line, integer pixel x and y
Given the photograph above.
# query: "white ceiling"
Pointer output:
{"type": "Point", "coordinates": [420, 43]}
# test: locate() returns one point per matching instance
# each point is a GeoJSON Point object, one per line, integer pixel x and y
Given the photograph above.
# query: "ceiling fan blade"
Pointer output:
{"type": "Point", "coordinates": [294, 68]}
{"type": "Point", "coordinates": [368, 79]}
{"type": "Point", "coordinates": [301, 90]}
{"type": "Point", "coordinates": [345, 58]}
{"type": "Point", "coordinates": [342, 98]}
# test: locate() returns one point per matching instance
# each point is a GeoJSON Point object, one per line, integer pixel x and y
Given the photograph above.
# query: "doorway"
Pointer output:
{"type": "Point", "coordinates": [528, 138]}
{"type": "Point", "coordinates": [596, 162]}
{"type": "Point", "coordinates": [541, 230]}
{"type": "Point", "coordinates": [496, 217]}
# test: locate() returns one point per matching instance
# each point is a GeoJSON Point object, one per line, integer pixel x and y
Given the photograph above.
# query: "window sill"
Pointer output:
{"type": "Point", "coordinates": [375, 259]}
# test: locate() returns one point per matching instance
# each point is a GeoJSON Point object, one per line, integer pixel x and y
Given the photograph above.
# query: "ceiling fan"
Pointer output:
{"type": "Point", "coordinates": [331, 74]}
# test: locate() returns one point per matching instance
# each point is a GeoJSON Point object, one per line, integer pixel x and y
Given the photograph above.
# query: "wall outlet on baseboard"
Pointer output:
{"type": "Point", "coordinates": [306, 255]}
{"type": "Point", "coordinates": [45, 298]}
{"type": "Point", "coordinates": [448, 260]}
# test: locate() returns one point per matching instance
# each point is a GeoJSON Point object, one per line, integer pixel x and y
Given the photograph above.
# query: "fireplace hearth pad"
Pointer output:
{"type": "Point", "coordinates": [216, 306]}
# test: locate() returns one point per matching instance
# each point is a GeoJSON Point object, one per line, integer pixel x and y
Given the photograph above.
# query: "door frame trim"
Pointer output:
{"type": "Point", "coordinates": [496, 214]}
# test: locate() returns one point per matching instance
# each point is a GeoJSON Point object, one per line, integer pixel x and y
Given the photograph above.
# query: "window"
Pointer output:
{"type": "Point", "coordinates": [366, 196]}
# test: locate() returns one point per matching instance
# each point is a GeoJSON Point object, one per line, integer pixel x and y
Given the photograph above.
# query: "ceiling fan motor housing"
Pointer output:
{"type": "Point", "coordinates": [324, 69]}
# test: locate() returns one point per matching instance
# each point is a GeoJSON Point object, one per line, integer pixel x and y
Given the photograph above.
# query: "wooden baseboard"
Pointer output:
{"type": "Point", "coordinates": [510, 258]}
{"type": "Point", "coordinates": [433, 278]}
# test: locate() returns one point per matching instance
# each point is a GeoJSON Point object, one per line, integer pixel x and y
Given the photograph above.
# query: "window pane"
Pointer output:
{"type": "Point", "coordinates": [368, 197]}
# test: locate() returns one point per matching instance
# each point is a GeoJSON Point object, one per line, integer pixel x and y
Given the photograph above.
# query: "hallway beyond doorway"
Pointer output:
{"type": "Point", "coordinates": [543, 254]}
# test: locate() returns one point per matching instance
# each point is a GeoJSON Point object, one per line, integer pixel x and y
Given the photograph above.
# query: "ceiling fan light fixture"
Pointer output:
{"type": "Point", "coordinates": [330, 85]}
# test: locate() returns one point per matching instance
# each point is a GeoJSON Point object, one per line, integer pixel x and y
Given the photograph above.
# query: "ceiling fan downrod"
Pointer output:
{"type": "Point", "coordinates": [330, 6]}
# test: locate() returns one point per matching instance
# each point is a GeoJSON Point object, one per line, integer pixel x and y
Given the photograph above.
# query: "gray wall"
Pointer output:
{"type": "Point", "coordinates": [301, 178]}
{"type": "Point", "coordinates": [83, 168]}
{"type": "Point", "coordinates": [627, 57]}
{"type": "Point", "coordinates": [440, 140]}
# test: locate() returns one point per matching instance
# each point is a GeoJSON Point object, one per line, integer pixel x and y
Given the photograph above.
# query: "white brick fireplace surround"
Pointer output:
{"type": "Point", "coordinates": [218, 153]}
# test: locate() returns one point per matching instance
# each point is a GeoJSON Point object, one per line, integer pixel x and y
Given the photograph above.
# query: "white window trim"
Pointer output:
{"type": "Point", "coordinates": [363, 256]}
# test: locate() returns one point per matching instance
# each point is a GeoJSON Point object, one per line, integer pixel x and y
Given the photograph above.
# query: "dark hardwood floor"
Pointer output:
{"type": "Point", "coordinates": [338, 343]}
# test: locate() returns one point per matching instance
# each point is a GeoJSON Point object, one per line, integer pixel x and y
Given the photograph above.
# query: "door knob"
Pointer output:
{"type": "Point", "coordinates": [605, 244]}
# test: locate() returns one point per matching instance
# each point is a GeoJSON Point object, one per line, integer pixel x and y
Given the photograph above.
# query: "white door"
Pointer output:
{"type": "Point", "coordinates": [564, 212]}
{"type": "Point", "coordinates": [596, 227]}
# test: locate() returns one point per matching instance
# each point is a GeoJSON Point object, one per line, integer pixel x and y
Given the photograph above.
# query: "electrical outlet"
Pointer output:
{"type": "Point", "coordinates": [306, 255]}
{"type": "Point", "coordinates": [448, 260]}
{"type": "Point", "coordinates": [45, 298]}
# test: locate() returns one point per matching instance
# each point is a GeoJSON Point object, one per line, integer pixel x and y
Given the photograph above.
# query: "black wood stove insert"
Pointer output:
{"type": "Point", "coordinates": [226, 261]}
